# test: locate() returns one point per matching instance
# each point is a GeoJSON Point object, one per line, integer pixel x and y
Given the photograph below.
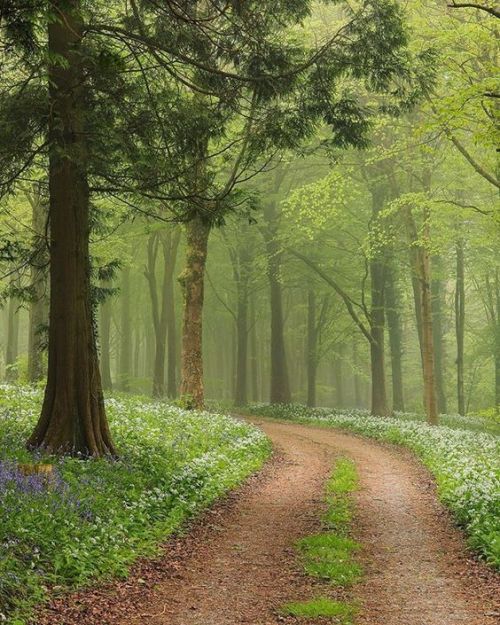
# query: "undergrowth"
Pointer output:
{"type": "Point", "coordinates": [95, 517]}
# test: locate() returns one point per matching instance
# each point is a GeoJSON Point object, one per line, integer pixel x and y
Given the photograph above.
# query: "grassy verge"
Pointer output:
{"type": "Point", "coordinates": [96, 517]}
{"type": "Point", "coordinates": [465, 463]}
{"type": "Point", "coordinates": [330, 554]}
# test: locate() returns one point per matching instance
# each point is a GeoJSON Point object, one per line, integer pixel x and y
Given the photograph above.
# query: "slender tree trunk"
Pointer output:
{"type": "Point", "coordinates": [125, 367]}
{"type": "Point", "coordinates": [379, 405]}
{"type": "Point", "coordinates": [158, 308]}
{"type": "Point", "coordinates": [421, 271]}
{"type": "Point", "coordinates": [430, 398]}
{"type": "Point", "coordinates": [240, 398]}
{"type": "Point", "coordinates": [241, 260]}
{"type": "Point", "coordinates": [496, 357]}
{"type": "Point", "coordinates": [11, 351]}
{"type": "Point", "coordinates": [105, 343]}
{"type": "Point", "coordinates": [438, 335]}
{"type": "Point", "coordinates": [137, 351]}
{"type": "Point", "coordinates": [254, 371]}
{"type": "Point", "coordinates": [73, 419]}
{"type": "Point", "coordinates": [460, 323]}
{"type": "Point", "coordinates": [192, 282]}
{"type": "Point", "coordinates": [393, 315]}
{"type": "Point", "coordinates": [279, 383]}
{"type": "Point", "coordinates": [171, 341]}
{"type": "Point", "coordinates": [38, 312]}
{"type": "Point", "coordinates": [311, 349]}
{"type": "Point", "coordinates": [338, 378]}
{"type": "Point", "coordinates": [358, 401]}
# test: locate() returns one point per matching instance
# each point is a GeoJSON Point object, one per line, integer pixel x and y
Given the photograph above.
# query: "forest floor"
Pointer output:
{"type": "Point", "coordinates": [238, 564]}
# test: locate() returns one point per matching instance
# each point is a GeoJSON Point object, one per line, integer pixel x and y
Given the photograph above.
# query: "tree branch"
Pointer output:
{"type": "Point", "coordinates": [475, 5]}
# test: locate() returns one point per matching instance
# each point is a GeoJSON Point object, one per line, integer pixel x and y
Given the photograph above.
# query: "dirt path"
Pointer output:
{"type": "Point", "coordinates": [239, 566]}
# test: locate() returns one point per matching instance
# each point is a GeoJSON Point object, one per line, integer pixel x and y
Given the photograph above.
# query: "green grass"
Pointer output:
{"type": "Point", "coordinates": [329, 555]}
{"type": "Point", "coordinates": [344, 480]}
{"type": "Point", "coordinates": [321, 607]}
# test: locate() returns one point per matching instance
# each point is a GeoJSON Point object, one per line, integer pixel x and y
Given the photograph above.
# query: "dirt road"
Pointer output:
{"type": "Point", "coordinates": [239, 565]}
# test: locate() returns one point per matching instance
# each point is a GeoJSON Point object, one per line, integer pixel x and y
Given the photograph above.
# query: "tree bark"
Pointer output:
{"type": "Point", "coordinates": [73, 418]}
{"type": "Point", "coordinates": [192, 282]}
{"type": "Point", "coordinates": [460, 323]}
{"type": "Point", "coordinates": [392, 311]}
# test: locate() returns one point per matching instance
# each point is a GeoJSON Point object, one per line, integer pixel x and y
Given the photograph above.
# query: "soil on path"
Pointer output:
{"type": "Point", "coordinates": [239, 565]}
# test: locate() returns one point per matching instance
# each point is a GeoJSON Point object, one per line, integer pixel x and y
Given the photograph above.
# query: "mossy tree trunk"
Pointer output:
{"type": "Point", "coordinates": [192, 280]}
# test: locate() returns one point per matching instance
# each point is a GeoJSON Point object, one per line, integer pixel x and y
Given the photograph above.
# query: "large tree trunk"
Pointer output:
{"type": "Point", "coordinates": [460, 323]}
{"type": "Point", "coordinates": [192, 282]}
{"type": "Point", "coordinates": [392, 311]}
{"type": "Point", "coordinates": [311, 349]}
{"type": "Point", "coordinates": [105, 343]}
{"type": "Point", "coordinates": [38, 313]}
{"type": "Point", "coordinates": [125, 360]}
{"type": "Point", "coordinates": [437, 292]}
{"type": "Point", "coordinates": [73, 419]}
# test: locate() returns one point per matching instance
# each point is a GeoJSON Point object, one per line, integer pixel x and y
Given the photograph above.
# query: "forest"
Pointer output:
{"type": "Point", "coordinates": [250, 304]}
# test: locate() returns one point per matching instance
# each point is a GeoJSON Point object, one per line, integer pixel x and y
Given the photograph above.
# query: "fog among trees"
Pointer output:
{"type": "Point", "coordinates": [249, 202]}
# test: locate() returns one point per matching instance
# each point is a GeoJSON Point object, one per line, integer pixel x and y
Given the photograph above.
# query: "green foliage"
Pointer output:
{"type": "Point", "coordinates": [95, 517]}
{"type": "Point", "coordinates": [322, 607]}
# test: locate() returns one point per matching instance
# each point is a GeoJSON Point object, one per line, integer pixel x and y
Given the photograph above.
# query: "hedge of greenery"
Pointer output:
{"type": "Point", "coordinates": [465, 463]}
{"type": "Point", "coordinates": [95, 517]}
